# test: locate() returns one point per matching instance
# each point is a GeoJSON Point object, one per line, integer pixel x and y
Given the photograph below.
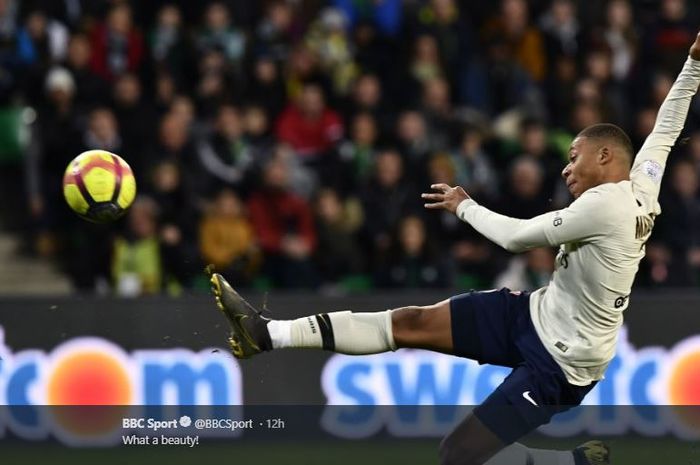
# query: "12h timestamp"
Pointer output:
{"type": "Point", "coordinates": [273, 423]}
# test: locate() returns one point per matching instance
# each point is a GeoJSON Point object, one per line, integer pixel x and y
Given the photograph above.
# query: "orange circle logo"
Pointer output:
{"type": "Point", "coordinates": [684, 382]}
{"type": "Point", "coordinates": [89, 378]}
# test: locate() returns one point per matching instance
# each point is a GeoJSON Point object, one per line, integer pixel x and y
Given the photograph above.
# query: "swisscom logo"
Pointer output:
{"type": "Point", "coordinates": [649, 380]}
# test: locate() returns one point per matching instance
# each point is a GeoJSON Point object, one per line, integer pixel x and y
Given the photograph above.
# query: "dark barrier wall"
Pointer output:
{"type": "Point", "coordinates": [283, 377]}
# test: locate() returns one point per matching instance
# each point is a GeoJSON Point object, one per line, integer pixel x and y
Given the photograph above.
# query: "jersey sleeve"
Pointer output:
{"type": "Point", "coordinates": [650, 162]}
{"type": "Point", "coordinates": [588, 217]}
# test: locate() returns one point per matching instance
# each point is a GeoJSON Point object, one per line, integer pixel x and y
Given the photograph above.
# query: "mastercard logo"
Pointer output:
{"type": "Point", "coordinates": [91, 372]}
{"type": "Point", "coordinates": [683, 373]}
{"type": "Point", "coordinates": [95, 375]}
{"type": "Point", "coordinates": [89, 379]}
{"type": "Point", "coordinates": [684, 382]}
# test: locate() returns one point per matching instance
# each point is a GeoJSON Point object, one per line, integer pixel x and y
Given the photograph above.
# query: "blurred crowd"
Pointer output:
{"type": "Point", "coordinates": [287, 142]}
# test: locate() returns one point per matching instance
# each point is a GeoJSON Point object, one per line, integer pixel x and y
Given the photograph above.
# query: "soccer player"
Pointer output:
{"type": "Point", "coordinates": [558, 339]}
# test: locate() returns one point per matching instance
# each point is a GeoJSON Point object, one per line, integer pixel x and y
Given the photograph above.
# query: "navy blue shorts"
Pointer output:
{"type": "Point", "coordinates": [495, 327]}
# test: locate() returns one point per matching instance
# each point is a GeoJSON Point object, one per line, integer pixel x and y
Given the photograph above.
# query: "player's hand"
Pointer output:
{"type": "Point", "coordinates": [447, 197]}
{"type": "Point", "coordinates": [695, 48]}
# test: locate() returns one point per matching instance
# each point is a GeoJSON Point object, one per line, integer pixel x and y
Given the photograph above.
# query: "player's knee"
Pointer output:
{"type": "Point", "coordinates": [407, 320]}
{"type": "Point", "coordinates": [453, 452]}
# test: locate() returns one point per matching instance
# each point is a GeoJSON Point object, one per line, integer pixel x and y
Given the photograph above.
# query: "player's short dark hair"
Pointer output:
{"type": "Point", "coordinates": [610, 132]}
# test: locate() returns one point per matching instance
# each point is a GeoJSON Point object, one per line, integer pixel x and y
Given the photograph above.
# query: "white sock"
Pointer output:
{"type": "Point", "coordinates": [344, 332]}
{"type": "Point", "coordinates": [518, 454]}
{"type": "Point", "coordinates": [280, 333]}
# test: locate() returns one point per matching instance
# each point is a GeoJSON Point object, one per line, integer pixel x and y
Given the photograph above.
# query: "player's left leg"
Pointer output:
{"type": "Point", "coordinates": [428, 327]}
{"type": "Point", "coordinates": [472, 443]}
{"type": "Point", "coordinates": [527, 399]}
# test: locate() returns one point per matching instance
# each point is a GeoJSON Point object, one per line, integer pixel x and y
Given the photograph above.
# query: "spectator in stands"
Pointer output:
{"type": "Point", "coordinates": [665, 38]}
{"type": "Point", "coordinates": [165, 187]}
{"type": "Point", "coordinates": [226, 155]}
{"type": "Point", "coordinates": [102, 132]}
{"type": "Point", "coordinates": [415, 144]}
{"type": "Point", "coordinates": [446, 21]}
{"type": "Point", "coordinates": [367, 97]}
{"type": "Point", "coordinates": [561, 30]}
{"type": "Point", "coordinates": [226, 239]}
{"type": "Point", "coordinates": [55, 144]}
{"type": "Point", "coordinates": [387, 198]}
{"type": "Point", "coordinates": [494, 82]}
{"type": "Point", "coordinates": [327, 38]}
{"type": "Point", "coordinates": [212, 89]}
{"type": "Point", "coordinates": [308, 125]}
{"type": "Point", "coordinates": [182, 107]}
{"type": "Point", "coordinates": [371, 49]}
{"type": "Point", "coordinates": [41, 41]}
{"type": "Point", "coordinates": [414, 263]}
{"type": "Point", "coordinates": [165, 93]}
{"type": "Point", "coordinates": [426, 64]}
{"type": "Point", "coordinates": [90, 89]}
{"type": "Point", "coordinates": [438, 111]}
{"type": "Point", "coordinates": [256, 124]}
{"type": "Point", "coordinates": [560, 90]}
{"type": "Point", "coordinates": [174, 145]}
{"type": "Point", "coordinates": [117, 45]}
{"type": "Point", "coordinates": [531, 270]}
{"type": "Point", "coordinates": [523, 41]}
{"type": "Point", "coordinates": [301, 180]}
{"type": "Point", "coordinates": [303, 67]}
{"type": "Point", "coordinates": [599, 70]}
{"type": "Point", "coordinates": [469, 251]}
{"type": "Point", "coordinates": [583, 114]}
{"type": "Point", "coordinates": [473, 166]}
{"type": "Point", "coordinates": [136, 261]}
{"type": "Point", "coordinates": [135, 117]}
{"type": "Point", "coordinates": [219, 33]}
{"type": "Point", "coordinates": [444, 228]}
{"type": "Point", "coordinates": [168, 43]}
{"type": "Point", "coordinates": [283, 224]}
{"type": "Point", "coordinates": [173, 140]}
{"type": "Point", "coordinates": [266, 86]}
{"type": "Point", "coordinates": [524, 195]}
{"type": "Point", "coordinates": [621, 38]}
{"type": "Point", "coordinates": [8, 19]}
{"type": "Point", "coordinates": [276, 32]}
{"type": "Point", "coordinates": [358, 152]}
{"type": "Point", "coordinates": [679, 226]}
{"type": "Point", "coordinates": [534, 144]}
{"type": "Point", "coordinates": [177, 220]}
{"type": "Point", "coordinates": [338, 254]}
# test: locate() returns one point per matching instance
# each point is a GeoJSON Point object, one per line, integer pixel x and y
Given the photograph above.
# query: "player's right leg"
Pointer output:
{"type": "Point", "coordinates": [427, 327]}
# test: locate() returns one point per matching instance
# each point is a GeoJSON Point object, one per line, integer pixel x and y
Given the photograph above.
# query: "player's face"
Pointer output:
{"type": "Point", "coordinates": [583, 170]}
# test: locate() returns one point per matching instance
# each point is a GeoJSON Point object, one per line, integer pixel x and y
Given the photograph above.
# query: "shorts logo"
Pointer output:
{"type": "Point", "coordinates": [529, 398]}
{"type": "Point", "coordinates": [561, 346]}
{"type": "Point", "coordinates": [620, 301]}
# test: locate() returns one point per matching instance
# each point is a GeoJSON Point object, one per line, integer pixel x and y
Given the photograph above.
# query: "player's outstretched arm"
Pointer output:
{"type": "Point", "coordinates": [650, 162]}
{"type": "Point", "coordinates": [583, 219]}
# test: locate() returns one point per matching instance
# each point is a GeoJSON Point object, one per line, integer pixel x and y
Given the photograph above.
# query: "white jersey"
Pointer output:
{"type": "Point", "coordinates": [601, 238]}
